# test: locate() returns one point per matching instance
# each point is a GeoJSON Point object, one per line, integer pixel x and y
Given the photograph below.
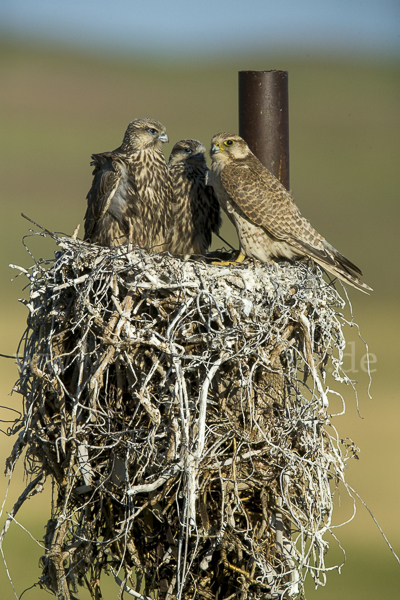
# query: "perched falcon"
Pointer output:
{"type": "Point", "coordinates": [267, 220]}
{"type": "Point", "coordinates": [196, 211]}
{"type": "Point", "coordinates": [131, 196]}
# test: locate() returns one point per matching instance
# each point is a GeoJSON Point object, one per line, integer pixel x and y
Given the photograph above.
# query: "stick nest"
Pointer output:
{"type": "Point", "coordinates": [180, 410]}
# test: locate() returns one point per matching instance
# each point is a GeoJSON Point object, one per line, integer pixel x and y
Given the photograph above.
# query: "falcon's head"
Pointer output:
{"type": "Point", "coordinates": [144, 133]}
{"type": "Point", "coordinates": [189, 151]}
{"type": "Point", "coordinates": [228, 146]}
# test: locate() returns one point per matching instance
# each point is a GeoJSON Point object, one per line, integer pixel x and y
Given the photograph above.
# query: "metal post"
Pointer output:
{"type": "Point", "coordinates": [264, 118]}
{"type": "Point", "coordinates": [264, 124]}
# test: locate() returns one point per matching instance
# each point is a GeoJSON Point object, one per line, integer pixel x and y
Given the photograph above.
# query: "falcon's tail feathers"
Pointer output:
{"type": "Point", "coordinates": [346, 264]}
{"type": "Point", "coordinates": [343, 272]}
{"type": "Point", "coordinates": [352, 280]}
{"type": "Point", "coordinates": [331, 260]}
{"type": "Point", "coordinates": [347, 271]}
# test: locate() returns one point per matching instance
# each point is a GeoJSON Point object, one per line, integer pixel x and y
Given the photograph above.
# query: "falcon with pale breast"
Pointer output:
{"type": "Point", "coordinates": [267, 220]}
{"type": "Point", "coordinates": [131, 196]}
{"type": "Point", "coordinates": [196, 210]}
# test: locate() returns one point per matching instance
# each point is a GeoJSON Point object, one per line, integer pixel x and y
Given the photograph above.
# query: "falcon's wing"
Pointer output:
{"type": "Point", "coordinates": [105, 182]}
{"type": "Point", "coordinates": [261, 198]}
{"type": "Point", "coordinates": [111, 176]}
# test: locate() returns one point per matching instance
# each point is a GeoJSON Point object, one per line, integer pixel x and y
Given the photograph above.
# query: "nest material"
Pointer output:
{"type": "Point", "coordinates": [180, 409]}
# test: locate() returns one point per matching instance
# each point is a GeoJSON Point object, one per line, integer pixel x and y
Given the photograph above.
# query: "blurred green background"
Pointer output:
{"type": "Point", "coordinates": [58, 106]}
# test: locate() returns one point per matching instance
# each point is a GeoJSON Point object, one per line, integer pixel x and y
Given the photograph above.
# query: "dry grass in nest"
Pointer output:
{"type": "Point", "coordinates": [181, 411]}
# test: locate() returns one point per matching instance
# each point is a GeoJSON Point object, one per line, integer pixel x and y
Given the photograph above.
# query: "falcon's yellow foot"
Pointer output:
{"type": "Point", "coordinates": [224, 263]}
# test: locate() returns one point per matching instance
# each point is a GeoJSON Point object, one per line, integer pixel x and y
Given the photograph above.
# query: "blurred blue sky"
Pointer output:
{"type": "Point", "coordinates": [189, 29]}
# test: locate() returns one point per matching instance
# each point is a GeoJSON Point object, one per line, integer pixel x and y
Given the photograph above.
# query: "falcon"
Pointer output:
{"type": "Point", "coordinates": [266, 218]}
{"type": "Point", "coordinates": [196, 211]}
{"type": "Point", "coordinates": [131, 196]}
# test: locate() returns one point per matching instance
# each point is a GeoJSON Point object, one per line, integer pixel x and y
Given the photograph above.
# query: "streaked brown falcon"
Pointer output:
{"type": "Point", "coordinates": [267, 220]}
{"type": "Point", "coordinates": [131, 196]}
{"type": "Point", "coordinates": [196, 213]}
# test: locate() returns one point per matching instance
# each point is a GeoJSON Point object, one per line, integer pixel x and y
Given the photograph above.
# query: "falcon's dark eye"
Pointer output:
{"type": "Point", "coordinates": [229, 142]}
{"type": "Point", "coordinates": [152, 131]}
{"type": "Point", "coordinates": [188, 151]}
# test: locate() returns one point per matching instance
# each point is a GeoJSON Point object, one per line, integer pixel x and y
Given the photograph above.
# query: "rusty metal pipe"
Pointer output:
{"type": "Point", "coordinates": [264, 118]}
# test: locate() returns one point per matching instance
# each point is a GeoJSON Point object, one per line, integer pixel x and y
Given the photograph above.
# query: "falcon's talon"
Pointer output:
{"type": "Point", "coordinates": [238, 260]}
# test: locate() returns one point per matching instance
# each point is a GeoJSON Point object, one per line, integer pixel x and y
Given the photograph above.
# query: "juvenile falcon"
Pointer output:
{"type": "Point", "coordinates": [267, 220]}
{"type": "Point", "coordinates": [131, 195]}
{"type": "Point", "coordinates": [196, 212]}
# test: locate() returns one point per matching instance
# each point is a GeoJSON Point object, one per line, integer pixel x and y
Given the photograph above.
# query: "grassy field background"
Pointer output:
{"type": "Point", "coordinates": [58, 106]}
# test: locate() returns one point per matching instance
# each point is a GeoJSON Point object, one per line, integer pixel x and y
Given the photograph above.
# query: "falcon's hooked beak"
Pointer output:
{"type": "Point", "coordinates": [163, 138]}
{"type": "Point", "coordinates": [215, 148]}
{"type": "Point", "coordinates": [198, 157]}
